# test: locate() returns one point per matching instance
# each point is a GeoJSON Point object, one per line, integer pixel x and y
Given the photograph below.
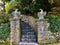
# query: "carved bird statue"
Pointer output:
{"type": "Point", "coordinates": [16, 13]}
{"type": "Point", "coordinates": [41, 14]}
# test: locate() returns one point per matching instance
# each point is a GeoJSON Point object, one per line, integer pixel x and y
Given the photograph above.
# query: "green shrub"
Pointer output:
{"type": "Point", "coordinates": [4, 31]}
{"type": "Point", "coordinates": [3, 17]}
{"type": "Point", "coordinates": [54, 21]}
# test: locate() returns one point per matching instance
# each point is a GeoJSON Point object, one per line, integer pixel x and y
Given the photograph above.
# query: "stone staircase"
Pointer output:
{"type": "Point", "coordinates": [28, 33]}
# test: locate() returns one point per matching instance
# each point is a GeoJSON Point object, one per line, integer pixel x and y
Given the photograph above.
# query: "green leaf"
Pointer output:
{"type": "Point", "coordinates": [9, 6]}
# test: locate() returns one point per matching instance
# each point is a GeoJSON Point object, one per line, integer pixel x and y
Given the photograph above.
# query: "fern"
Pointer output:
{"type": "Point", "coordinates": [9, 6]}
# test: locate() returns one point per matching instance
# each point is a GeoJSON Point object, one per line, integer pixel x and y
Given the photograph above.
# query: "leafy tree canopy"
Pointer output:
{"type": "Point", "coordinates": [31, 6]}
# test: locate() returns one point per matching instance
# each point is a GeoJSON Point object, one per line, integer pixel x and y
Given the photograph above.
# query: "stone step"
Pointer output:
{"type": "Point", "coordinates": [28, 40]}
{"type": "Point", "coordinates": [27, 43]}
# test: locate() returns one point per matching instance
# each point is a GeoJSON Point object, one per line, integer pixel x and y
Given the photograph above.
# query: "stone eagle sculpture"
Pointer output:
{"type": "Point", "coordinates": [16, 14]}
{"type": "Point", "coordinates": [41, 14]}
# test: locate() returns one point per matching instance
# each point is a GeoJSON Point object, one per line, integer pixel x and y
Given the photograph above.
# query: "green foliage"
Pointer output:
{"type": "Point", "coordinates": [4, 31]}
{"type": "Point", "coordinates": [30, 6]}
{"type": "Point", "coordinates": [4, 26]}
{"type": "Point", "coordinates": [54, 21]}
{"type": "Point", "coordinates": [9, 6]}
{"type": "Point", "coordinates": [6, 0]}
{"type": "Point", "coordinates": [3, 17]}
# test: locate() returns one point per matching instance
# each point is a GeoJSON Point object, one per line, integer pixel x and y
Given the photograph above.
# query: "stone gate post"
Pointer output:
{"type": "Point", "coordinates": [42, 31]}
{"type": "Point", "coordinates": [15, 28]}
{"type": "Point", "coordinates": [15, 31]}
{"type": "Point", "coordinates": [42, 27]}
